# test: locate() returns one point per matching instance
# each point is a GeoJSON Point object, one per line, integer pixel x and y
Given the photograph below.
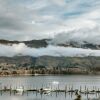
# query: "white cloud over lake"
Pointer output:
{"type": "Point", "coordinates": [37, 19]}
{"type": "Point", "coordinates": [22, 49]}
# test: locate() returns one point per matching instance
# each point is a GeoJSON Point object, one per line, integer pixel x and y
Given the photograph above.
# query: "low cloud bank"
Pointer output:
{"type": "Point", "coordinates": [22, 49]}
{"type": "Point", "coordinates": [79, 36]}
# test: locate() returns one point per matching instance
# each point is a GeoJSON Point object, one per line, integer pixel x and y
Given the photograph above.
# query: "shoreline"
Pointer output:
{"type": "Point", "coordinates": [46, 72]}
{"type": "Point", "coordinates": [21, 75]}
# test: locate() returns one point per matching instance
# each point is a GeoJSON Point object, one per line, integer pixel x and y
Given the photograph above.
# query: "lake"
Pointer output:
{"type": "Point", "coordinates": [57, 81]}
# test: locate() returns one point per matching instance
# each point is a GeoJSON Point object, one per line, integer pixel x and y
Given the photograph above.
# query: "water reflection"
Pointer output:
{"type": "Point", "coordinates": [92, 82]}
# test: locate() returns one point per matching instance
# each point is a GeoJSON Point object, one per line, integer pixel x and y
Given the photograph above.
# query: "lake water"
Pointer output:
{"type": "Point", "coordinates": [75, 81]}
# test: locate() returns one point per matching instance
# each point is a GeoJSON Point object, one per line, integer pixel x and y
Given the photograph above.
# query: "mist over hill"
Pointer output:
{"type": "Point", "coordinates": [31, 43]}
{"type": "Point", "coordinates": [46, 42]}
{"type": "Point", "coordinates": [46, 57]}
{"type": "Point", "coordinates": [50, 33]}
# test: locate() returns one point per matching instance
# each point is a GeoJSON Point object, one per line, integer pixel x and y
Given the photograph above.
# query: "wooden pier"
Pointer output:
{"type": "Point", "coordinates": [43, 90]}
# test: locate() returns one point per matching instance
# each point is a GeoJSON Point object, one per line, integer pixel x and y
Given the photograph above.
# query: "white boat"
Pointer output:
{"type": "Point", "coordinates": [20, 90]}
{"type": "Point", "coordinates": [45, 90]}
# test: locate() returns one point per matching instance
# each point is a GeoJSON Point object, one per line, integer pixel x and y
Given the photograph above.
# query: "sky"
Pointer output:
{"type": "Point", "coordinates": [38, 19]}
{"type": "Point", "coordinates": [59, 20]}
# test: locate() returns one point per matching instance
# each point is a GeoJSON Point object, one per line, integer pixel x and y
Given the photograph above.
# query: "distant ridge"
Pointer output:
{"type": "Point", "coordinates": [46, 42]}
{"type": "Point", "coordinates": [51, 65]}
{"type": "Point", "coordinates": [31, 43]}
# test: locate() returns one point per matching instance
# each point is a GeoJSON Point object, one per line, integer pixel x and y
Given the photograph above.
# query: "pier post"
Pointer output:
{"type": "Point", "coordinates": [1, 90]}
{"type": "Point", "coordinates": [80, 88]}
{"type": "Point", "coordinates": [27, 92]}
{"type": "Point", "coordinates": [65, 88]}
{"type": "Point", "coordinates": [36, 91]}
{"type": "Point", "coordinates": [10, 90]}
{"type": "Point", "coordinates": [56, 92]}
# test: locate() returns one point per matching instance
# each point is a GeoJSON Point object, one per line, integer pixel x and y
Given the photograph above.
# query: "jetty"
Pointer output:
{"type": "Point", "coordinates": [46, 90]}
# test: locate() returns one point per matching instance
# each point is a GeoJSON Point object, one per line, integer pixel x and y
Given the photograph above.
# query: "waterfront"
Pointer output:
{"type": "Point", "coordinates": [75, 81]}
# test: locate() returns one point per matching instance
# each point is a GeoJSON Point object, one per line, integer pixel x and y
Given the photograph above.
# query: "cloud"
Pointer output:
{"type": "Point", "coordinates": [36, 19]}
{"type": "Point", "coordinates": [79, 36]}
{"type": "Point", "coordinates": [84, 28]}
{"type": "Point", "coordinates": [59, 2]}
{"type": "Point", "coordinates": [61, 20]}
{"type": "Point", "coordinates": [22, 49]}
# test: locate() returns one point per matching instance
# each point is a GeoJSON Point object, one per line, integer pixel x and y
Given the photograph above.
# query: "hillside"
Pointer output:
{"type": "Point", "coordinates": [51, 65]}
{"type": "Point", "coordinates": [31, 43]}
{"type": "Point", "coordinates": [46, 42]}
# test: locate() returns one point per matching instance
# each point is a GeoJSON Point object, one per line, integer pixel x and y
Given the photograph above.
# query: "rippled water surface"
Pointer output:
{"type": "Point", "coordinates": [71, 81]}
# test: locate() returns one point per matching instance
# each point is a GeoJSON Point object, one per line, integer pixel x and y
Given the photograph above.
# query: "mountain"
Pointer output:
{"type": "Point", "coordinates": [50, 64]}
{"type": "Point", "coordinates": [46, 42]}
{"type": "Point", "coordinates": [84, 44]}
{"type": "Point", "coordinates": [64, 62]}
{"type": "Point", "coordinates": [17, 60]}
{"type": "Point", "coordinates": [20, 64]}
{"type": "Point", "coordinates": [31, 43]}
